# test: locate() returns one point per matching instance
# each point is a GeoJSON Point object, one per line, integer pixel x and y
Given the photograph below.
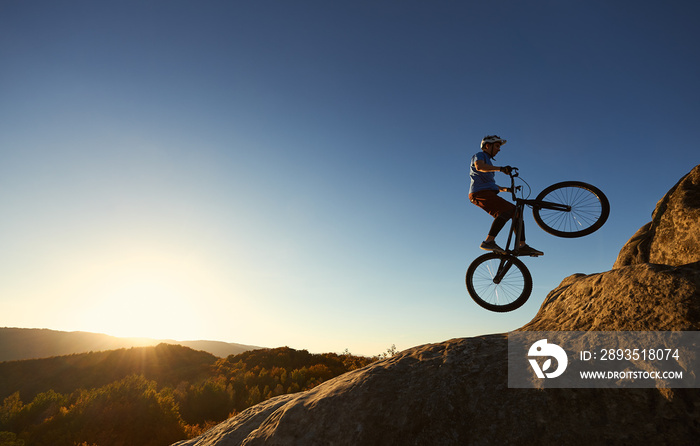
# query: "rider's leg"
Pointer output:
{"type": "Point", "coordinates": [523, 248]}
{"type": "Point", "coordinates": [498, 223]}
{"type": "Point", "coordinates": [498, 208]}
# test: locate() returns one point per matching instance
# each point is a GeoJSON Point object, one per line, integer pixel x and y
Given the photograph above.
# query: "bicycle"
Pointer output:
{"type": "Point", "coordinates": [500, 281]}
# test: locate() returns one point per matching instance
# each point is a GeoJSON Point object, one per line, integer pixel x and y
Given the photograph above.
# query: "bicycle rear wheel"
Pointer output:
{"type": "Point", "coordinates": [589, 209]}
{"type": "Point", "coordinates": [499, 282]}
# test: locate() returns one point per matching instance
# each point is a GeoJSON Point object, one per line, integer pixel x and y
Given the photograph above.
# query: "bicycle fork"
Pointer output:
{"type": "Point", "coordinates": [503, 268]}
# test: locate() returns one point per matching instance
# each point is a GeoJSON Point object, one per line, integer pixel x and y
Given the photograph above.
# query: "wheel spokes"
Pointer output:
{"type": "Point", "coordinates": [585, 209]}
{"type": "Point", "coordinates": [506, 291]}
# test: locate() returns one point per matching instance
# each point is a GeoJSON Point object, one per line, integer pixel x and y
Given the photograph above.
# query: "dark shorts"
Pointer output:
{"type": "Point", "coordinates": [489, 201]}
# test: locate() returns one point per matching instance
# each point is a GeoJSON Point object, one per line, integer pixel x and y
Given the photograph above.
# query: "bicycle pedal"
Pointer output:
{"type": "Point", "coordinates": [528, 255]}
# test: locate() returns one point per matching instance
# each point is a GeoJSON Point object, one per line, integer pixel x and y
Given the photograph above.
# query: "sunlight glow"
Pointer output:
{"type": "Point", "coordinates": [143, 294]}
{"type": "Point", "coordinates": [142, 306]}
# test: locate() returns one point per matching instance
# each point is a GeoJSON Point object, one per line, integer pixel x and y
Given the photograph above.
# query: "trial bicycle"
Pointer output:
{"type": "Point", "coordinates": [500, 281]}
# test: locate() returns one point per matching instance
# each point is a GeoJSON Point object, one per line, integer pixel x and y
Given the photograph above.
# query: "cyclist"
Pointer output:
{"type": "Point", "coordinates": [483, 192]}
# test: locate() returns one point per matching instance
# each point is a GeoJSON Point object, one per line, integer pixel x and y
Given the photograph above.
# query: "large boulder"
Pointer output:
{"type": "Point", "coordinates": [672, 237]}
{"type": "Point", "coordinates": [643, 297]}
{"type": "Point", "coordinates": [456, 392]}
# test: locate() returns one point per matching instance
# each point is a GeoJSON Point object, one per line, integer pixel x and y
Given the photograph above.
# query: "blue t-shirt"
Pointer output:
{"type": "Point", "coordinates": [481, 180]}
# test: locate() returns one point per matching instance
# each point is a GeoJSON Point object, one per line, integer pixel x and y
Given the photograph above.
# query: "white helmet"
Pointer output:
{"type": "Point", "coordinates": [492, 138]}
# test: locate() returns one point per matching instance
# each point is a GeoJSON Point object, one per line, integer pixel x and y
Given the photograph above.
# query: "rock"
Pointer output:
{"type": "Point", "coordinates": [633, 298]}
{"type": "Point", "coordinates": [672, 237]}
{"type": "Point", "coordinates": [456, 392]}
{"type": "Point", "coordinates": [236, 429]}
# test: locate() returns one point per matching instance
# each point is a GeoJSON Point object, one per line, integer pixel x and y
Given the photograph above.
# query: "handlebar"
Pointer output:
{"type": "Point", "coordinates": [512, 189]}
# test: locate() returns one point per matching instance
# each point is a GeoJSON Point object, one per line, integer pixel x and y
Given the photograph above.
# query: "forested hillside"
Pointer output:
{"type": "Point", "coordinates": [147, 396]}
{"type": "Point", "coordinates": [166, 364]}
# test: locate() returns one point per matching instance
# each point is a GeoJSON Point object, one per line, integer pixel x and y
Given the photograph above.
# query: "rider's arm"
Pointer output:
{"type": "Point", "coordinates": [481, 166]}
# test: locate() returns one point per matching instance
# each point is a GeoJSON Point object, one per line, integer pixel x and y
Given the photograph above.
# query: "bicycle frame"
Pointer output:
{"type": "Point", "coordinates": [517, 220]}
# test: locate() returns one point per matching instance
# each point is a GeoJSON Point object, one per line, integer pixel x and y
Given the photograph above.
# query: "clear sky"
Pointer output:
{"type": "Point", "coordinates": [296, 172]}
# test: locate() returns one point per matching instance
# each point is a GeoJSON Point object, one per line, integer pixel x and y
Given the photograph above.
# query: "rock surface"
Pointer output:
{"type": "Point", "coordinates": [642, 297]}
{"type": "Point", "coordinates": [672, 236]}
{"type": "Point", "coordinates": [456, 393]}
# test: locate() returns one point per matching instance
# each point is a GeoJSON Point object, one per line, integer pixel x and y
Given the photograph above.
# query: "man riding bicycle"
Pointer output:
{"type": "Point", "coordinates": [483, 192]}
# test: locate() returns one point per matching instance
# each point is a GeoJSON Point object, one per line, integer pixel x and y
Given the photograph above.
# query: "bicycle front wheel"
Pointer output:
{"type": "Point", "coordinates": [499, 282]}
{"type": "Point", "coordinates": [589, 209]}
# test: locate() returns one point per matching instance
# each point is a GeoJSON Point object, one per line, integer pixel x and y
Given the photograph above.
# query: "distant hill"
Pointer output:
{"type": "Point", "coordinates": [166, 364]}
{"type": "Point", "coordinates": [216, 348]}
{"type": "Point", "coordinates": [31, 343]}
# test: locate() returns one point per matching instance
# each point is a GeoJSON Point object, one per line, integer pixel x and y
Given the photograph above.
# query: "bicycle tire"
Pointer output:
{"type": "Point", "coordinates": [589, 209]}
{"type": "Point", "coordinates": [507, 295]}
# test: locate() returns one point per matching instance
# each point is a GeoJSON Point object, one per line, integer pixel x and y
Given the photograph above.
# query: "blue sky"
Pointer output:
{"type": "Point", "coordinates": [295, 173]}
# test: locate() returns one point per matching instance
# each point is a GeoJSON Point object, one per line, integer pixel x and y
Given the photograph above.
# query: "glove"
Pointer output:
{"type": "Point", "coordinates": [506, 169]}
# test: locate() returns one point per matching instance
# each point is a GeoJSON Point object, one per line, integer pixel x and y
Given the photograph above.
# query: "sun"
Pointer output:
{"type": "Point", "coordinates": [147, 304]}
{"type": "Point", "coordinates": [145, 294]}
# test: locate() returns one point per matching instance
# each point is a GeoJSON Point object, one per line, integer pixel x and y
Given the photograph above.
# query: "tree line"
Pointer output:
{"type": "Point", "coordinates": [165, 394]}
